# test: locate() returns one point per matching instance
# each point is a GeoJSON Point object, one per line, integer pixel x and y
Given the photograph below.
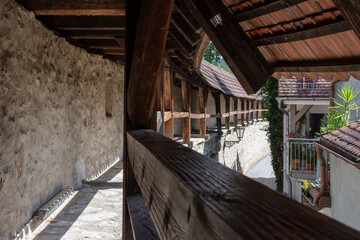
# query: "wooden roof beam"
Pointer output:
{"type": "Point", "coordinates": [181, 7]}
{"type": "Point", "coordinates": [76, 8]}
{"type": "Point", "coordinates": [350, 9]}
{"type": "Point", "coordinates": [315, 32]}
{"type": "Point", "coordinates": [266, 9]}
{"type": "Point", "coordinates": [146, 51]}
{"type": "Point", "coordinates": [242, 56]}
{"type": "Point", "coordinates": [93, 34]}
{"type": "Point", "coordinates": [336, 65]}
{"type": "Point", "coordinates": [185, 29]}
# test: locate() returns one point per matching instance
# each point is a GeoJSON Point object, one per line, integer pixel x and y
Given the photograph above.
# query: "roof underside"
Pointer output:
{"type": "Point", "coordinates": [296, 37]}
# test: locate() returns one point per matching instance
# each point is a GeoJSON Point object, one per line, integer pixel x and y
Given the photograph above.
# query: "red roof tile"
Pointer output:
{"type": "Point", "coordinates": [304, 87]}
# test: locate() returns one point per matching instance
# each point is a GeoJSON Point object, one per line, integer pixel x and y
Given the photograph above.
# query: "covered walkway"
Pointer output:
{"type": "Point", "coordinates": [93, 212]}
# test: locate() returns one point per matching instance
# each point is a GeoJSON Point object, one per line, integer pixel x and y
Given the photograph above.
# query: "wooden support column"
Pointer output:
{"type": "Point", "coordinates": [350, 10]}
{"type": "Point", "coordinates": [227, 110]}
{"type": "Point", "coordinates": [203, 95]}
{"type": "Point", "coordinates": [145, 33]}
{"type": "Point", "coordinates": [235, 110]}
{"type": "Point", "coordinates": [240, 53]}
{"type": "Point", "coordinates": [257, 110]}
{"type": "Point", "coordinates": [216, 96]}
{"type": "Point", "coordinates": [168, 90]}
{"type": "Point", "coordinates": [160, 104]}
{"type": "Point", "coordinates": [260, 108]}
{"type": "Point", "coordinates": [292, 118]}
{"type": "Point", "coordinates": [246, 101]}
{"type": "Point", "coordinates": [242, 108]}
{"type": "Point", "coordinates": [186, 103]}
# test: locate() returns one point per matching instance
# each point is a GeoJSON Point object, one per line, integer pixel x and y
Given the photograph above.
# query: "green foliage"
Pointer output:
{"type": "Point", "coordinates": [339, 115]}
{"type": "Point", "coordinates": [213, 56]}
{"type": "Point", "coordinates": [275, 130]}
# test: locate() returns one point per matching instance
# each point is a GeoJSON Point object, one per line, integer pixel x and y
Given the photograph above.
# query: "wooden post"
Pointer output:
{"type": "Point", "coordinates": [160, 104]}
{"type": "Point", "coordinates": [246, 101]}
{"type": "Point", "coordinates": [260, 108]}
{"type": "Point", "coordinates": [242, 108]}
{"type": "Point", "coordinates": [216, 96]}
{"type": "Point", "coordinates": [168, 90]}
{"type": "Point", "coordinates": [257, 110]}
{"type": "Point", "coordinates": [235, 109]}
{"type": "Point", "coordinates": [203, 95]}
{"type": "Point", "coordinates": [251, 106]}
{"type": "Point", "coordinates": [292, 118]}
{"type": "Point", "coordinates": [227, 110]}
{"type": "Point", "coordinates": [186, 100]}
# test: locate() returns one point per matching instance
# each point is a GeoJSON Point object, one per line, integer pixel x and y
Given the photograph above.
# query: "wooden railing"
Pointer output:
{"type": "Point", "coordinates": [190, 196]}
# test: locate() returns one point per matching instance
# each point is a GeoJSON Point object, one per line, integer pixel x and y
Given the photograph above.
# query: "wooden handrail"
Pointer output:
{"type": "Point", "coordinates": [191, 196]}
{"type": "Point", "coordinates": [169, 115]}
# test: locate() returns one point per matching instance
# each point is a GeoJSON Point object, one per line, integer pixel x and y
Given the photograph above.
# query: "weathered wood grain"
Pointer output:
{"type": "Point", "coordinates": [216, 96]}
{"type": "Point", "coordinates": [350, 9]}
{"type": "Point", "coordinates": [235, 99]}
{"type": "Point", "coordinates": [186, 105]}
{"type": "Point", "coordinates": [149, 47]}
{"type": "Point", "coordinates": [227, 110]}
{"type": "Point", "coordinates": [203, 95]}
{"type": "Point", "coordinates": [168, 81]}
{"type": "Point", "coordinates": [195, 197]}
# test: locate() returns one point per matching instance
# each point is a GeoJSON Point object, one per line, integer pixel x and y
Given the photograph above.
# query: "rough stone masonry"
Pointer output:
{"type": "Point", "coordinates": [60, 115]}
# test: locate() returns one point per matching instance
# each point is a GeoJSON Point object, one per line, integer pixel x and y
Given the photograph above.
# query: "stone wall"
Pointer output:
{"type": "Point", "coordinates": [61, 115]}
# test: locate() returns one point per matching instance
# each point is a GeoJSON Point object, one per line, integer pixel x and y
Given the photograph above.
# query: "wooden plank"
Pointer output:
{"type": "Point", "coordinates": [350, 10]}
{"type": "Point", "coordinates": [195, 197]}
{"type": "Point", "coordinates": [316, 31]}
{"type": "Point", "coordinates": [186, 104]}
{"type": "Point", "coordinates": [185, 29]}
{"type": "Point", "coordinates": [257, 112]}
{"type": "Point", "coordinates": [246, 108]}
{"type": "Point", "coordinates": [92, 34]}
{"type": "Point", "coordinates": [81, 7]}
{"type": "Point", "coordinates": [239, 52]}
{"type": "Point", "coordinates": [227, 110]}
{"type": "Point", "coordinates": [216, 96]}
{"type": "Point", "coordinates": [148, 54]}
{"type": "Point", "coordinates": [203, 95]}
{"type": "Point", "coordinates": [184, 10]}
{"type": "Point", "coordinates": [120, 41]}
{"type": "Point", "coordinates": [142, 224]}
{"type": "Point", "coordinates": [242, 108]}
{"type": "Point", "coordinates": [176, 34]}
{"type": "Point", "coordinates": [251, 106]}
{"type": "Point", "coordinates": [301, 113]}
{"type": "Point", "coordinates": [337, 65]}
{"type": "Point", "coordinates": [168, 81]}
{"type": "Point", "coordinates": [266, 8]}
{"type": "Point", "coordinates": [235, 99]}
{"type": "Point", "coordinates": [84, 22]}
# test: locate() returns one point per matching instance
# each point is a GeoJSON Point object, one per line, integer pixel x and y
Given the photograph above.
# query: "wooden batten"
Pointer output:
{"type": "Point", "coordinates": [203, 95]}
{"type": "Point", "coordinates": [227, 110]}
{"type": "Point", "coordinates": [168, 91]}
{"type": "Point", "coordinates": [186, 104]}
{"type": "Point", "coordinates": [350, 9]}
{"type": "Point", "coordinates": [216, 96]}
{"type": "Point", "coordinates": [235, 110]}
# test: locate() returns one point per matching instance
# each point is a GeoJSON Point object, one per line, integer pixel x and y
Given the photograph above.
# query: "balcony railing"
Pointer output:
{"type": "Point", "coordinates": [295, 88]}
{"type": "Point", "coordinates": [302, 155]}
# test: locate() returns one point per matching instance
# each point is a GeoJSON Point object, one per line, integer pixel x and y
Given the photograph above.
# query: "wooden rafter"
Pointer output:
{"type": "Point", "coordinates": [76, 8]}
{"type": "Point", "coordinates": [350, 65]}
{"type": "Point", "coordinates": [242, 56]}
{"type": "Point", "coordinates": [266, 9]}
{"type": "Point", "coordinates": [350, 9]}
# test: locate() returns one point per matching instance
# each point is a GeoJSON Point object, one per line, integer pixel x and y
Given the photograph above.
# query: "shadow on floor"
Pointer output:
{"type": "Point", "coordinates": [93, 213]}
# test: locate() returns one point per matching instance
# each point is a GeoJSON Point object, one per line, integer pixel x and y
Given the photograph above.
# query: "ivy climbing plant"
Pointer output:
{"type": "Point", "coordinates": [274, 116]}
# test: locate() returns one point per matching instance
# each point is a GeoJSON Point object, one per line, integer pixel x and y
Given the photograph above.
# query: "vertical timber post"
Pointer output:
{"type": "Point", "coordinates": [257, 110]}
{"type": "Point", "coordinates": [235, 110]}
{"type": "Point", "coordinates": [203, 95]}
{"type": "Point", "coordinates": [216, 96]}
{"type": "Point", "coordinates": [168, 91]}
{"type": "Point", "coordinates": [227, 110]}
{"type": "Point", "coordinates": [247, 111]}
{"type": "Point", "coordinates": [186, 100]}
{"type": "Point", "coordinates": [242, 108]}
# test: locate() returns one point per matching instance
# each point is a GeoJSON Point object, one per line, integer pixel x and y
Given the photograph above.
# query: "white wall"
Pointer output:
{"type": "Point", "coordinates": [345, 192]}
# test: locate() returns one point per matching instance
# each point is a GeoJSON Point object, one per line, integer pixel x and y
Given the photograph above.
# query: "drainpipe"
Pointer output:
{"type": "Point", "coordinates": [319, 152]}
{"type": "Point", "coordinates": [332, 91]}
{"type": "Point", "coordinates": [285, 172]}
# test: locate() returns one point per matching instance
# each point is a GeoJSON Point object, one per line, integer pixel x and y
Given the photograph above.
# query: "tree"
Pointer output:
{"type": "Point", "coordinates": [213, 56]}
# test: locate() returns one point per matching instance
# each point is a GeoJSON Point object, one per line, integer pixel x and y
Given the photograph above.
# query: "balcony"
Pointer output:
{"type": "Point", "coordinates": [302, 158]}
{"type": "Point", "coordinates": [304, 87]}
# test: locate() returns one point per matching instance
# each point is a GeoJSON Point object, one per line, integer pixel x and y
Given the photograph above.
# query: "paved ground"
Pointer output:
{"type": "Point", "coordinates": [94, 212]}
{"type": "Point", "coordinates": [263, 173]}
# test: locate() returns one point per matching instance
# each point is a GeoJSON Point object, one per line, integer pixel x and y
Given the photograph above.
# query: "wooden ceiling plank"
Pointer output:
{"type": "Point", "coordinates": [350, 9]}
{"type": "Point", "coordinates": [147, 58]}
{"type": "Point", "coordinates": [185, 29]}
{"type": "Point", "coordinates": [184, 10]}
{"type": "Point", "coordinates": [266, 9]}
{"type": "Point", "coordinates": [242, 56]}
{"type": "Point", "coordinates": [315, 32]}
{"type": "Point", "coordinates": [79, 7]}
